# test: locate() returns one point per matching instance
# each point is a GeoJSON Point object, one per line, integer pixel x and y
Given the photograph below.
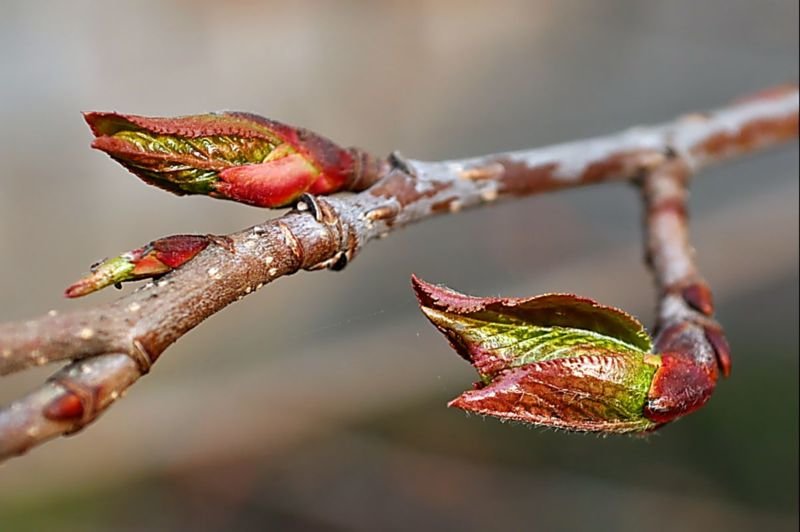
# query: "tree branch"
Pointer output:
{"type": "Point", "coordinates": [114, 344]}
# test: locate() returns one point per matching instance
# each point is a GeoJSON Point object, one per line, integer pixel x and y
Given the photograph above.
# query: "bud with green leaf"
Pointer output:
{"type": "Point", "coordinates": [236, 156]}
{"type": "Point", "coordinates": [564, 361]}
{"type": "Point", "coordinates": [155, 259]}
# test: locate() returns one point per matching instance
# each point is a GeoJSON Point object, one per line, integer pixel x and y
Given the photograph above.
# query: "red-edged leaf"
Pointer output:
{"type": "Point", "coordinates": [585, 393]}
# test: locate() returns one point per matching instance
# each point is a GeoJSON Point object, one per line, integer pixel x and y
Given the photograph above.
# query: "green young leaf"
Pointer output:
{"type": "Point", "coordinates": [591, 393]}
{"type": "Point", "coordinates": [495, 334]}
{"type": "Point", "coordinates": [558, 359]}
{"type": "Point", "coordinates": [516, 343]}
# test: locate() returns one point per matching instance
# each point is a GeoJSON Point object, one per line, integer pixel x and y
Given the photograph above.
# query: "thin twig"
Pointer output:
{"type": "Point", "coordinates": [119, 341]}
{"type": "Point", "coordinates": [685, 307]}
{"type": "Point", "coordinates": [693, 347]}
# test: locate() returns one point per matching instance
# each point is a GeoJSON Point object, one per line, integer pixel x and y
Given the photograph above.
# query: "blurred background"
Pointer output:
{"type": "Point", "coordinates": [319, 403]}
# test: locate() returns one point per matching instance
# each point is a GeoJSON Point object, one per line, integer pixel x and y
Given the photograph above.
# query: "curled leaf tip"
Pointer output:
{"type": "Point", "coordinates": [230, 155]}
{"type": "Point", "coordinates": [563, 361]}
{"type": "Point", "coordinates": [155, 259]}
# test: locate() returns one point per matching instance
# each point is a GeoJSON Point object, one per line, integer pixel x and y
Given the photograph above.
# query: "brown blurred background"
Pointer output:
{"type": "Point", "coordinates": [319, 403]}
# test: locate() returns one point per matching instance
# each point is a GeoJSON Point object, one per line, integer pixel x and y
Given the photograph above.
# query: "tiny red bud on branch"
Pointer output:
{"type": "Point", "coordinates": [680, 386]}
{"type": "Point", "coordinates": [65, 407]}
{"type": "Point", "coordinates": [154, 259]}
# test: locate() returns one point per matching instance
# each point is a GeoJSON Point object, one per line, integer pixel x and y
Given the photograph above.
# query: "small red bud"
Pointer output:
{"type": "Point", "coordinates": [698, 296]}
{"type": "Point", "coordinates": [680, 386]}
{"type": "Point", "coordinates": [154, 259]}
{"type": "Point", "coordinates": [722, 350]}
{"type": "Point", "coordinates": [65, 407]}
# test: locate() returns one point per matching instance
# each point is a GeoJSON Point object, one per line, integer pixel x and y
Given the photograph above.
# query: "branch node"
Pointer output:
{"type": "Point", "coordinates": [141, 356]}
{"type": "Point", "coordinates": [385, 212]}
{"type": "Point", "coordinates": [293, 244]}
{"type": "Point", "coordinates": [308, 202]}
{"type": "Point", "coordinates": [77, 404]}
{"type": "Point", "coordinates": [400, 162]}
{"type": "Point", "coordinates": [339, 262]}
{"type": "Point", "coordinates": [698, 296]}
{"type": "Point", "coordinates": [223, 241]}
